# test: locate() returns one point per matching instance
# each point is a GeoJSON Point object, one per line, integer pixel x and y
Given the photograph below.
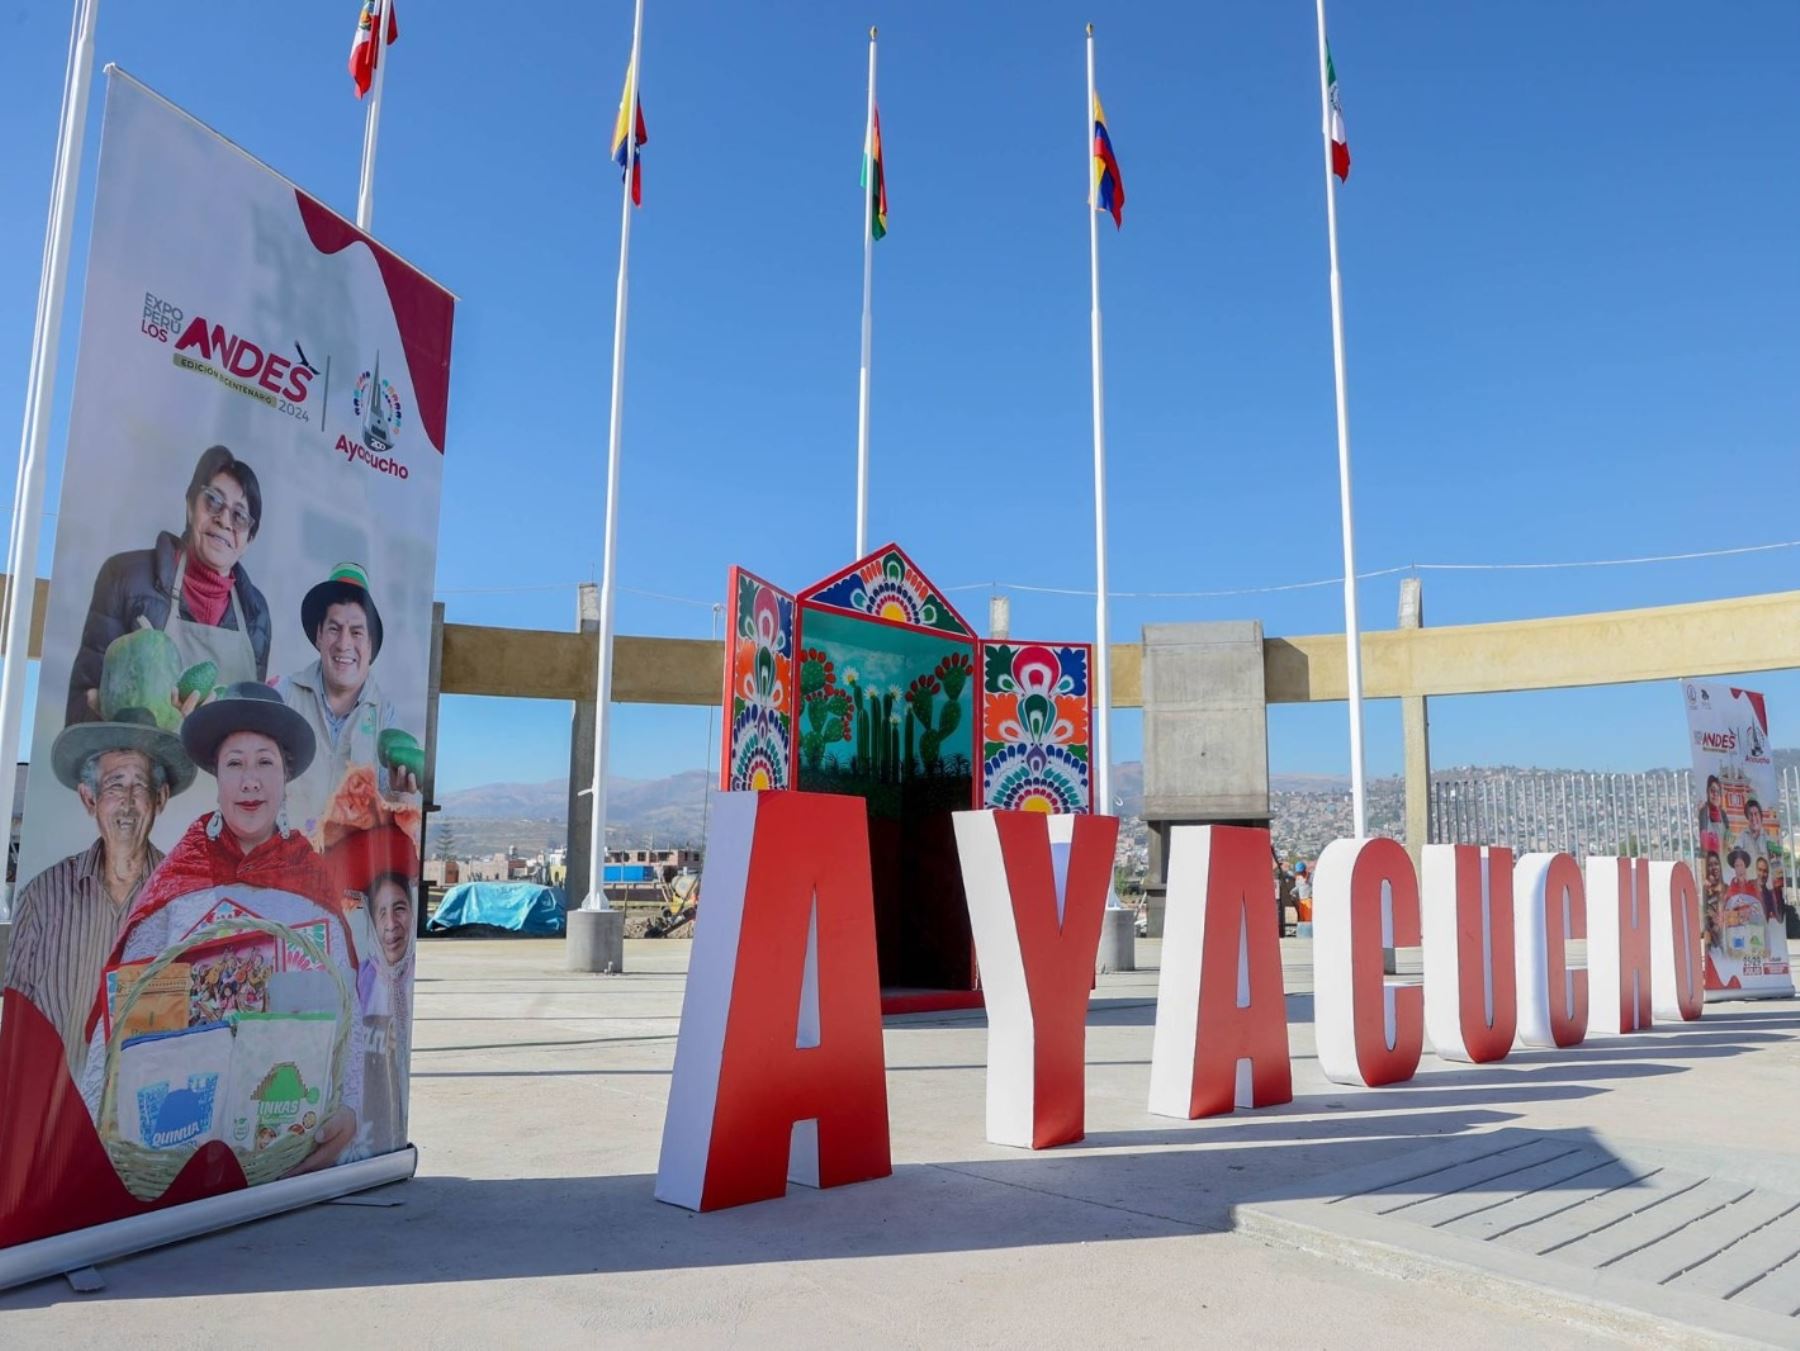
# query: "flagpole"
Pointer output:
{"type": "Point", "coordinates": [1352, 631]}
{"type": "Point", "coordinates": [862, 393]}
{"type": "Point", "coordinates": [365, 192]}
{"type": "Point", "coordinates": [596, 897]}
{"type": "Point", "coordinates": [1103, 800]}
{"type": "Point", "coordinates": [40, 390]}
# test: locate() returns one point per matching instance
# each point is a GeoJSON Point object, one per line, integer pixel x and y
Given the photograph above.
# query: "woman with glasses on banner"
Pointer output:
{"type": "Point", "coordinates": [191, 587]}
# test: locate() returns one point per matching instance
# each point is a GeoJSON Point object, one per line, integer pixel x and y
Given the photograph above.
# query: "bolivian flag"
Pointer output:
{"type": "Point", "coordinates": [623, 153]}
{"type": "Point", "coordinates": [874, 178]}
{"type": "Point", "coordinates": [1109, 187]}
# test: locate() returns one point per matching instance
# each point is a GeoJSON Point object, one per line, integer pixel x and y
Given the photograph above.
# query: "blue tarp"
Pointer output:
{"type": "Point", "coordinates": [517, 907]}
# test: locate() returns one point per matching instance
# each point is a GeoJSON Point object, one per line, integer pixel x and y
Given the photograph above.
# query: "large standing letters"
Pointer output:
{"type": "Point", "coordinates": [779, 1074]}
{"type": "Point", "coordinates": [1036, 887]}
{"type": "Point", "coordinates": [1365, 899]}
{"type": "Point", "coordinates": [1618, 895]}
{"type": "Point", "coordinates": [1677, 968]}
{"type": "Point", "coordinates": [1550, 913]}
{"type": "Point", "coordinates": [1221, 1015]}
{"type": "Point", "coordinates": [1471, 1003]}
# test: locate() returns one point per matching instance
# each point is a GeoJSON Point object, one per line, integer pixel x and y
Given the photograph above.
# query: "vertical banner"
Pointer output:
{"type": "Point", "coordinates": [210, 978]}
{"type": "Point", "coordinates": [1742, 863]}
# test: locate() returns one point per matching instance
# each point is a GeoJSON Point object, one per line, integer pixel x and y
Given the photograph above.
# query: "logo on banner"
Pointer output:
{"type": "Point", "coordinates": [1753, 742]}
{"type": "Point", "coordinates": [377, 403]}
{"type": "Point", "coordinates": [241, 365]}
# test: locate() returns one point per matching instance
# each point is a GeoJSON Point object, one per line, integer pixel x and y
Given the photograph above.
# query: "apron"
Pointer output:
{"type": "Point", "coordinates": [228, 649]}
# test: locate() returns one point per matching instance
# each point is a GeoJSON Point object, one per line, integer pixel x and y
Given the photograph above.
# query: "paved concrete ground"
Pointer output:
{"type": "Point", "coordinates": [537, 1108]}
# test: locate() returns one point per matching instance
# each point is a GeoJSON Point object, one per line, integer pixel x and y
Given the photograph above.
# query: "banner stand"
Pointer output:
{"type": "Point", "coordinates": [99, 1243]}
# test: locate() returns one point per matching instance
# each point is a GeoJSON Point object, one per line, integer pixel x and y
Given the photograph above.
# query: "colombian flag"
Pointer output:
{"type": "Point", "coordinates": [1109, 187]}
{"type": "Point", "coordinates": [622, 147]}
{"type": "Point", "coordinates": [874, 178]}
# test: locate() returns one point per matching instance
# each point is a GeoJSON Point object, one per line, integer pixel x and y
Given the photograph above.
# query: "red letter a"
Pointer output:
{"type": "Point", "coordinates": [1219, 1002]}
{"type": "Point", "coordinates": [779, 1074]}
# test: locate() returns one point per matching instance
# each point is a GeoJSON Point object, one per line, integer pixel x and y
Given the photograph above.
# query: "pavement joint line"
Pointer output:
{"type": "Point", "coordinates": [1765, 1276]}
{"type": "Point", "coordinates": [1531, 1191]}
{"type": "Point", "coordinates": [1444, 1168]}
{"type": "Point", "coordinates": [1629, 1215]}
{"type": "Point", "coordinates": [1651, 1243]}
{"type": "Point", "coordinates": [1478, 1182]}
{"type": "Point", "coordinates": [1197, 1226]}
{"type": "Point", "coordinates": [1694, 1266]}
{"type": "Point", "coordinates": [1579, 1201]}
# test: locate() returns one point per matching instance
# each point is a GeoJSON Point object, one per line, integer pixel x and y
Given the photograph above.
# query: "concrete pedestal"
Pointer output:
{"type": "Point", "coordinates": [596, 941]}
{"type": "Point", "coordinates": [1118, 942]}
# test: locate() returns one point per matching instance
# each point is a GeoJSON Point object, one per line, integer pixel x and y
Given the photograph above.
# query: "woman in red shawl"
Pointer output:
{"type": "Point", "coordinates": [242, 858]}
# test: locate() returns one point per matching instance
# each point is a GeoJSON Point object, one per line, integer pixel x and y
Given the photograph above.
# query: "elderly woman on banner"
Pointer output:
{"type": "Point", "coordinates": [192, 587]}
{"type": "Point", "coordinates": [239, 858]}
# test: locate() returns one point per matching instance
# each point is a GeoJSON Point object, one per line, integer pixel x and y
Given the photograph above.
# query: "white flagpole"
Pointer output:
{"type": "Point", "coordinates": [40, 390]}
{"type": "Point", "coordinates": [862, 393]}
{"type": "Point", "coordinates": [1103, 800]}
{"type": "Point", "coordinates": [596, 897]}
{"type": "Point", "coordinates": [365, 193]}
{"type": "Point", "coordinates": [1352, 631]}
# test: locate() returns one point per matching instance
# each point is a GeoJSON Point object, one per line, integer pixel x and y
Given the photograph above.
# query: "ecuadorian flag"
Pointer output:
{"type": "Point", "coordinates": [1109, 187]}
{"type": "Point", "coordinates": [622, 143]}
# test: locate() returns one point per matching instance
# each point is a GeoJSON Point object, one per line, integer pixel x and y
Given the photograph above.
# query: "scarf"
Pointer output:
{"type": "Point", "coordinates": [203, 591]}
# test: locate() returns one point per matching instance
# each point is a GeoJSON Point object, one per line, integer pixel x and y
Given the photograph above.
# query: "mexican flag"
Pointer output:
{"type": "Point", "coordinates": [1340, 145]}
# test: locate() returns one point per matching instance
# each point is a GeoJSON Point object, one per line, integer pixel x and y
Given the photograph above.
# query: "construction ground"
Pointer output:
{"type": "Point", "coordinates": [1631, 1191]}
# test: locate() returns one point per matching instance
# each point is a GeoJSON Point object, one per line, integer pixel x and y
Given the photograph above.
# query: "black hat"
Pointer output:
{"type": "Point", "coordinates": [348, 582]}
{"type": "Point", "coordinates": [132, 729]}
{"type": "Point", "coordinates": [248, 707]}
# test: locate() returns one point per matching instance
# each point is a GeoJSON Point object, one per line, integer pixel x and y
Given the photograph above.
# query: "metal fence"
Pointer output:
{"type": "Point", "coordinates": [1653, 815]}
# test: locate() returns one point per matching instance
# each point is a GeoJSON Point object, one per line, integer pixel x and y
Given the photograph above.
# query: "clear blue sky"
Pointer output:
{"type": "Point", "coordinates": [1571, 278]}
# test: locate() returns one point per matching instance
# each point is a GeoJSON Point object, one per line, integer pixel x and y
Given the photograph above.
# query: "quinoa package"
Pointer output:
{"type": "Point", "coordinates": [171, 1086]}
{"type": "Point", "coordinates": [280, 1077]}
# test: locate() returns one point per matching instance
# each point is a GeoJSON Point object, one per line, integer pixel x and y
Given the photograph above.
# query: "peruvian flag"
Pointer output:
{"type": "Point", "coordinates": [363, 51]}
{"type": "Point", "coordinates": [1340, 145]}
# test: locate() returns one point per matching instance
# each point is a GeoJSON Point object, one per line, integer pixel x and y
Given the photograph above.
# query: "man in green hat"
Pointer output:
{"type": "Point", "coordinates": [67, 918]}
{"type": "Point", "coordinates": [339, 698]}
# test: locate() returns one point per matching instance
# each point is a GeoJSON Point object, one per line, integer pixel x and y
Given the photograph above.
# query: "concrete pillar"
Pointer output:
{"type": "Point", "coordinates": [1415, 731]}
{"type": "Point", "coordinates": [596, 941]}
{"type": "Point", "coordinates": [581, 763]}
{"type": "Point", "coordinates": [999, 617]}
{"type": "Point", "coordinates": [1118, 941]}
{"type": "Point", "coordinates": [1206, 736]}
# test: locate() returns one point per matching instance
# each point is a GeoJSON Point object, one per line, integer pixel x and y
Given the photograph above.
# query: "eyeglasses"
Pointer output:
{"type": "Point", "coordinates": [218, 507]}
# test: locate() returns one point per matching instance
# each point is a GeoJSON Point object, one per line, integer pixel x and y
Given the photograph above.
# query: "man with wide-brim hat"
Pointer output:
{"type": "Point", "coordinates": [67, 917]}
{"type": "Point", "coordinates": [343, 705]}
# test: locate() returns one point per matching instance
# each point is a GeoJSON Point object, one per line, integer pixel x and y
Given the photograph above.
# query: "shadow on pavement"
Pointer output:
{"type": "Point", "coordinates": [489, 1229]}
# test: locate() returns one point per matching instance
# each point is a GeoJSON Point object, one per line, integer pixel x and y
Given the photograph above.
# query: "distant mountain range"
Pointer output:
{"type": "Point", "coordinates": [671, 811]}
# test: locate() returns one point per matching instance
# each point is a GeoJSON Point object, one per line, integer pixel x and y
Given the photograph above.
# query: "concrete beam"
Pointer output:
{"type": "Point", "coordinates": [1717, 637]}
{"type": "Point", "coordinates": [40, 603]}
{"type": "Point", "coordinates": [1722, 637]}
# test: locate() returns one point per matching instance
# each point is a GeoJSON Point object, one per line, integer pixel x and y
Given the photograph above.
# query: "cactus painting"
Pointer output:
{"type": "Point", "coordinates": [883, 706]}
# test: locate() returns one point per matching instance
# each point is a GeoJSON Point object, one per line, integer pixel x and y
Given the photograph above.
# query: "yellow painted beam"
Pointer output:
{"type": "Point", "coordinates": [1717, 637]}
{"type": "Point", "coordinates": [545, 664]}
{"type": "Point", "coordinates": [40, 602]}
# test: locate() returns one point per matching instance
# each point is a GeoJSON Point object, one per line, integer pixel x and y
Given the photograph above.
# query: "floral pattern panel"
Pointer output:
{"type": "Point", "coordinates": [759, 686]}
{"type": "Point", "coordinates": [1036, 727]}
{"type": "Point", "coordinates": [886, 585]}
